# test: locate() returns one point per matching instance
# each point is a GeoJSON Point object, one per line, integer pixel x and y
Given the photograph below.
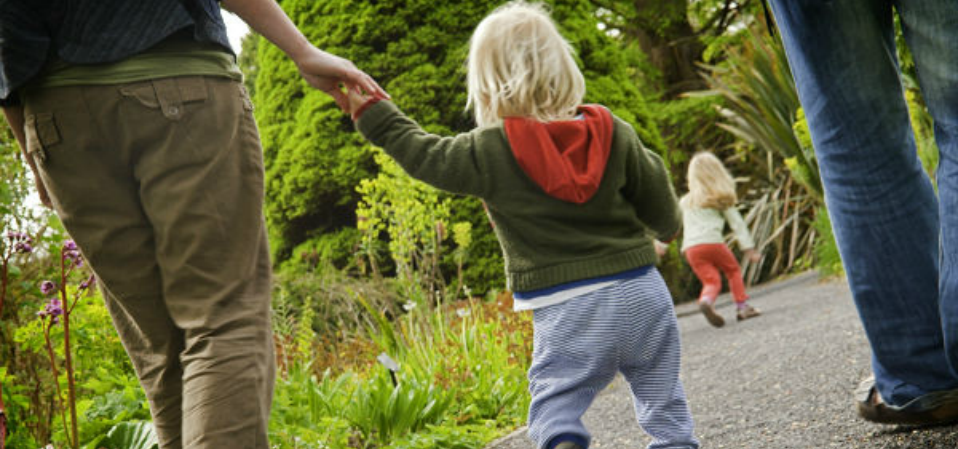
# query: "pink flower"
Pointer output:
{"type": "Point", "coordinates": [22, 243]}
{"type": "Point", "coordinates": [47, 287]}
{"type": "Point", "coordinates": [53, 309]}
{"type": "Point", "coordinates": [72, 253]}
{"type": "Point", "coordinates": [90, 281]}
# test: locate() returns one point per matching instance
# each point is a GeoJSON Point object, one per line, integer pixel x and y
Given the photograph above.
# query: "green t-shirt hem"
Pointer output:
{"type": "Point", "coordinates": [174, 57]}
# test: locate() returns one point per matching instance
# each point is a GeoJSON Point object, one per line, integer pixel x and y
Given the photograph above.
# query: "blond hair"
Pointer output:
{"type": "Point", "coordinates": [520, 66]}
{"type": "Point", "coordinates": [710, 184]}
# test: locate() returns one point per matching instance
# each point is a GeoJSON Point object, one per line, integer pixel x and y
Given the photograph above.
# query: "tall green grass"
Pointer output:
{"type": "Point", "coordinates": [460, 383]}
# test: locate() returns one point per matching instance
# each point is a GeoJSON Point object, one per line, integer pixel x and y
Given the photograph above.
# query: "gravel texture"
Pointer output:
{"type": "Point", "coordinates": [782, 380]}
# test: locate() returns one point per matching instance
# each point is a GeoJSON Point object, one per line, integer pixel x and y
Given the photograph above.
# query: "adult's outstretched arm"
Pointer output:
{"type": "Point", "coordinates": [322, 70]}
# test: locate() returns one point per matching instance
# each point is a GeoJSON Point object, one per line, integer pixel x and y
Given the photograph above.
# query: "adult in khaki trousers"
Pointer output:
{"type": "Point", "coordinates": [142, 139]}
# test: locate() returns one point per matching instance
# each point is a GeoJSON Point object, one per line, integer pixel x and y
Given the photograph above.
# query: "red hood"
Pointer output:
{"type": "Point", "coordinates": [566, 158]}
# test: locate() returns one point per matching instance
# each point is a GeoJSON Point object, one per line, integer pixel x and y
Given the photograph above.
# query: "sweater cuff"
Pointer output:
{"type": "Point", "coordinates": [370, 123]}
{"type": "Point", "coordinates": [668, 238]}
{"type": "Point", "coordinates": [368, 104]}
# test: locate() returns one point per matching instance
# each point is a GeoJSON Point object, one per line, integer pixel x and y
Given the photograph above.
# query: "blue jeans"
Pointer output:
{"type": "Point", "coordinates": [897, 240]}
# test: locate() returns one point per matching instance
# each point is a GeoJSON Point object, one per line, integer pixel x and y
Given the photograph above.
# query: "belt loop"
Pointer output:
{"type": "Point", "coordinates": [169, 97]}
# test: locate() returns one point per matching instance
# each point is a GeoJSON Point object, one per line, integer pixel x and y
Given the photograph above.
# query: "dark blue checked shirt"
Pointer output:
{"type": "Point", "coordinates": [32, 32]}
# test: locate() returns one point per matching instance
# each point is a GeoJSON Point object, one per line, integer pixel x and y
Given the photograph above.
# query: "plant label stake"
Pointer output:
{"type": "Point", "coordinates": [390, 365]}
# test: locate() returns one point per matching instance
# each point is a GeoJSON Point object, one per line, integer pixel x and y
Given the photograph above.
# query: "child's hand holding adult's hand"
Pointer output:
{"type": "Point", "coordinates": [660, 247]}
{"type": "Point", "coordinates": [329, 72]}
{"type": "Point", "coordinates": [753, 256]}
{"type": "Point", "coordinates": [356, 100]}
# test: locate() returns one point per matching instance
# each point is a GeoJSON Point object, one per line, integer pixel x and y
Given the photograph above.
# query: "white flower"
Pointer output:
{"type": "Point", "coordinates": [463, 312]}
{"type": "Point", "coordinates": [408, 306]}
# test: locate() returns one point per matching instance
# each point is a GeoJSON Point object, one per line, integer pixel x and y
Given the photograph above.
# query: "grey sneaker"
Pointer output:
{"type": "Point", "coordinates": [746, 313]}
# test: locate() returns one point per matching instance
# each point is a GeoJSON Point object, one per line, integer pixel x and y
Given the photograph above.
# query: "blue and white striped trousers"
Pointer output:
{"type": "Point", "coordinates": [580, 345]}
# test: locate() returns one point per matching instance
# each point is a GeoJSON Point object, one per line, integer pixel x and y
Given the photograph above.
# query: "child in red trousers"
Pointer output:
{"type": "Point", "coordinates": [708, 206]}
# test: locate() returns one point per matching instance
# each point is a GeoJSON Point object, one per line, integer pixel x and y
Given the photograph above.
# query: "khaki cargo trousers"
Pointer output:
{"type": "Point", "coordinates": [160, 183]}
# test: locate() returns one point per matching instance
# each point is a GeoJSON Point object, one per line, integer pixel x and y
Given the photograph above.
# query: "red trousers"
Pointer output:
{"type": "Point", "coordinates": [706, 261]}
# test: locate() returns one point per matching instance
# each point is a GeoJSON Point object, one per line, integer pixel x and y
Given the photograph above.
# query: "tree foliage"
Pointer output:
{"type": "Point", "coordinates": [416, 50]}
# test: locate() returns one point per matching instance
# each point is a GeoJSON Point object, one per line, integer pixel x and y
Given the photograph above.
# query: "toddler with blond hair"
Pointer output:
{"type": "Point", "coordinates": [708, 206]}
{"type": "Point", "coordinates": [576, 199]}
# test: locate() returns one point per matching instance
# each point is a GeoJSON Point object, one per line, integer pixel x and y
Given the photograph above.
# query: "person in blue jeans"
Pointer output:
{"type": "Point", "coordinates": [898, 240]}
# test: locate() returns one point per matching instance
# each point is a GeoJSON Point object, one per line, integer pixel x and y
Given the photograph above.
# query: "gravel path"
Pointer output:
{"type": "Point", "coordinates": [782, 380]}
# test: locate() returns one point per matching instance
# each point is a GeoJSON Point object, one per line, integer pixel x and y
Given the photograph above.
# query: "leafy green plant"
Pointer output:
{"type": "Point", "coordinates": [761, 104]}
{"type": "Point", "coordinates": [331, 293]}
{"type": "Point", "coordinates": [470, 436]}
{"type": "Point", "coordinates": [86, 380]}
{"type": "Point", "coordinates": [16, 406]}
{"type": "Point", "coordinates": [28, 415]}
{"type": "Point", "coordinates": [460, 381]}
{"type": "Point", "coordinates": [58, 310]}
{"type": "Point", "coordinates": [25, 394]}
{"type": "Point", "coordinates": [923, 127]}
{"type": "Point", "coordinates": [102, 412]}
{"type": "Point", "coordinates": [828, 260]}
{"type": "Point", "coordinates": [127, 435]}
{"type": "Point", "coordinates": [414, 217]}
{"type": "Point", "coordinates": [308, 412]}
{"type": "Point", "coordinates": [16, 243]}
{"type": "Point", "coordinates": [462, 236]}
{"type": "Point", "coordinates": [481, 358]}
{"type": "Point", "coordinates": [383, 411]}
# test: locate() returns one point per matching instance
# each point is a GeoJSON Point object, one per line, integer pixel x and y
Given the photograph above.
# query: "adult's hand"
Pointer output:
{"type": "Point", "coordinates": [322, 70]}
{"type": "Point", "coordinates": [14, 115]}
{"type": "Point", "coordinates": [330, 73]}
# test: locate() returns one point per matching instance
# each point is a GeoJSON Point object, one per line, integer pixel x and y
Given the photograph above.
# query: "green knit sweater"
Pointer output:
{"type": "Point", "coordinates": [545, 241]}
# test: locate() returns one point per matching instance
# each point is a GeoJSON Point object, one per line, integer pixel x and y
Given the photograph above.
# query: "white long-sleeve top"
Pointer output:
{"type": "Point", "coordinates": [704, 225]}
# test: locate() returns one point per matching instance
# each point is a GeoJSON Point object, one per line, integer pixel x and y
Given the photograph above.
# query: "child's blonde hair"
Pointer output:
{"type": "Point", "coordinates": [520, 66]}
{"type": "Point", "coordinates": [710, 184]}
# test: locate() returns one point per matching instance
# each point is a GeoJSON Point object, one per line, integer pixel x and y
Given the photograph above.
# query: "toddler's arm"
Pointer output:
{"type": "Point", "coordinates": [742, 234]}
{"type": "Point", "coordinates": [449, 163]}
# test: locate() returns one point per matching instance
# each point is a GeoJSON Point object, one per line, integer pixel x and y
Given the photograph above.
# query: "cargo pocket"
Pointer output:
{"type": "Point", "coordinates": [41, 134]}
